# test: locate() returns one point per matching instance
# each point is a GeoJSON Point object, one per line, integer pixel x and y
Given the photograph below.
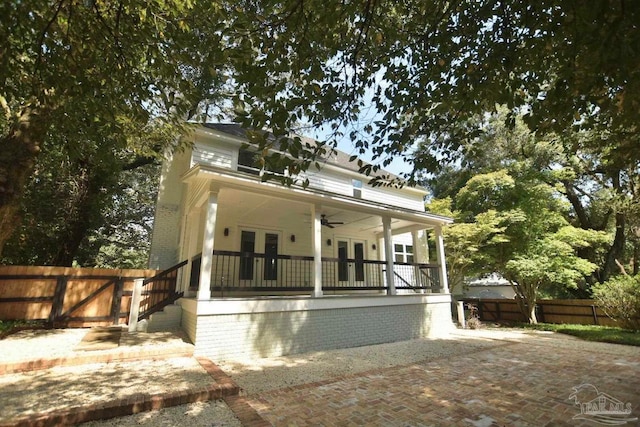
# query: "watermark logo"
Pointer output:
{"type": "Point", "coordinates": [599, 407]}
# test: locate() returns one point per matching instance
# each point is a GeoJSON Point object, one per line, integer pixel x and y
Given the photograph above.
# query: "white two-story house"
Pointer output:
{"type": "Point", "coordinates": [278, 270]}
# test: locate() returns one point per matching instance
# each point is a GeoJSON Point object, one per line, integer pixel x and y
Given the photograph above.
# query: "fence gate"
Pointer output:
{"type": "Point", "coordinates": [71, 297]}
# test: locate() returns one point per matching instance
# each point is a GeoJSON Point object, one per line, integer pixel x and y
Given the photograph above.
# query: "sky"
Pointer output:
{"type": "Point", "coordinates": [396, 167]}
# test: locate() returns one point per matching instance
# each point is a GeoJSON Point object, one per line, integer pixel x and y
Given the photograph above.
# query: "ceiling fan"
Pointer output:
{"type": "Point", "coordinates": [331, 224]}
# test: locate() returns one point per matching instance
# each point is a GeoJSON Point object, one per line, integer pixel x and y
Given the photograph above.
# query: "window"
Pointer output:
{"type": "Point", "coordinates": [248, 162]}
{"type": "Point", "coordinates": [403, 253]}
{"type": "Point", "coordinates": [247, 251]}
{"type": "Point", "coordinates": [270, 257]}
{"type": "Point", "coordinates": [357, 188]}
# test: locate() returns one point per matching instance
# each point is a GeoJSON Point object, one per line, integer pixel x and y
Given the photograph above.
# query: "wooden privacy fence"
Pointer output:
{"type": "Point", "coordinates": [74, 297]}
{"type": "Point", "coordinates": [569, 311]}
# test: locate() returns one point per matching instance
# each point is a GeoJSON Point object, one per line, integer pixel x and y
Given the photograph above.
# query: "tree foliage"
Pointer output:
{"type": "Point", "coordinates": [620, 299]}
{"type": "Point", "coordinates": [95, 79]}
{"type": "Point", "coordinates": [515, 178]}
{"type": "Point", "coordinates": [383, 73]}
{"type": "Point", "coordinates": [465, 242]}
{"type": "Point", "coordinates": [425, 67]}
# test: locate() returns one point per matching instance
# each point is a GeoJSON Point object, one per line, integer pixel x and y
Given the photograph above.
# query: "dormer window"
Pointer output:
{"type": "Point", "coordinates": [357, 188]}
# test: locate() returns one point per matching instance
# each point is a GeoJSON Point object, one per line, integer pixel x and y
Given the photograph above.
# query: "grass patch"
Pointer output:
{"type": "Point", "coordinates": [591, 332]}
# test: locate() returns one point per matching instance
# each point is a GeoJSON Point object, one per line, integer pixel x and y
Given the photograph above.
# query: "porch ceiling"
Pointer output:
{"type": "Point", "coordinates": [248, 207]}
{"type": "Point", "coordinates": [248, 195]}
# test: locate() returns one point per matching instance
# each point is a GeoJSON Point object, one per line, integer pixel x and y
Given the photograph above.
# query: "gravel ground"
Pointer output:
{"type": "Point", "coordinates": [259, 375]}
{"type": "Point", "coordinates": [58, 343]}
{"type": "Point", "coordinates": [199, 414]}
{"type": "Point", "coordinates": [256, 376]}
{"type": "Point", "coordinates": [62, 387]}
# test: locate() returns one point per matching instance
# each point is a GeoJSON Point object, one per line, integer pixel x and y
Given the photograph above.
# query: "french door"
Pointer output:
{"type": "Point", "coordinates": [259, 251]}
{"type": "Point", "coordinates": [351, 256]}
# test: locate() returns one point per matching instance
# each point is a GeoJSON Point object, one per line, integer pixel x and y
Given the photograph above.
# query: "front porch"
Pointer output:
{"type": "Point", "coordinates": [276, 270]}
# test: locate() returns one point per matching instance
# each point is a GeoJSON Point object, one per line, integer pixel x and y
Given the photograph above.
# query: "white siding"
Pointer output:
{"type": "Point", "coordinates": [329, 181]}
{"type": "Point", "coordinates": [394, 197]}
{"type": "Point", "coordinates": [224, 155]}
{"type": "Point", "coordinates": [342, 183]}
{"type": "Point", "coordinates": [219, 155]}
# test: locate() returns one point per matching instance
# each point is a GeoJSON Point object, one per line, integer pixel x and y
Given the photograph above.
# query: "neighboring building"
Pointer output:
{"type": "Point", "coordinates": [492, 286]}
{"type": "Point", "coordinates": [275, 270]}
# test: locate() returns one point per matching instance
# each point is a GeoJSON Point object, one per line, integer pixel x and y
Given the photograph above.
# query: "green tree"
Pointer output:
{"type": "Point", "coordinates": [426, 67]}
{"type": "Point", "coordinates": [464, 242]}
{"type": "Point", "coordinates": [123, 239]}
{"type": "Point", "coordinates": [82, 77]}
{"type": "Point", "coordinates": [417, 67]}
{"type": "Point", "coordinates": [91, 209]}
{"type": "Point", "coordinates": [538, 246]}
{"type": "Point", "coordinates": [550, 261]}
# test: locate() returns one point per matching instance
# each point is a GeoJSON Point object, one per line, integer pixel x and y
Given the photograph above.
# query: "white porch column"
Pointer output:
{"type": "Point", "coordinates": [388, 254]}
{"type": "Point", "coordinates": [441, 259]}
{"type": "Point", "coordinates": [417, 257]}
{"type": "Point", "coordinates": [211, 210]}
{"type": "Point", "coordinates": [316, 242]}
{"type": "Point", "coordinates": [417, 249]}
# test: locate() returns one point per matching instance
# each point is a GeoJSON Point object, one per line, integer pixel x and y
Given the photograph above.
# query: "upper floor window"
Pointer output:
{"type": "Point", "coordinates": [249, 162]}
{"type": "Point", "coordinates": [403, 253]}
{"type": "Point", "coordinates": [357, 188]}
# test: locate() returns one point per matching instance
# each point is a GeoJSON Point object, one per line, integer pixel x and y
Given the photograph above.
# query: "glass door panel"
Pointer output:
{"type": "Point", "coordinates": [270, 269]}
{"type": "Point", "coordinates": [358, 255]}
{"type": "Point", "coordinates": [247, 251]}
{"type": "Point", "coordinates": [343, 265]}
{"type": "Point", "coordinates": [351, 257]}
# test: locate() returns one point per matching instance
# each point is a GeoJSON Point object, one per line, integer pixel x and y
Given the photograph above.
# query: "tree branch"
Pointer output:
{"type": "Point", "coordinates": [139, 162]}
{"type": "Point", "coordinates": [44, 34]}
{"type": "Point", "coordinates": [5, 107]}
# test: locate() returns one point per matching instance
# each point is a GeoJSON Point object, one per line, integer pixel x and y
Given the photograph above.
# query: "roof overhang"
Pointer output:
{"type": "Point", "coordinates": [219, 178]}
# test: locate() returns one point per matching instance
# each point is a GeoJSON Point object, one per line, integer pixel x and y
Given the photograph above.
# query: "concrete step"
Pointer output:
{"type": "Point", "coordinates": [166, 320]}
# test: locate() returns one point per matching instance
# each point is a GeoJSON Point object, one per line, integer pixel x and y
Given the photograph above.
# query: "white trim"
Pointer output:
{"type": "Point", "coordinates": [388, 254]}
{"type": "Point", "coordinates": [239, 181]}
{"type": "Point", "coordinates": [278, 304]}
{"type": "Point", "coordinates": [441, 260]}
{"type": "Point", "coordinates": [316, 242]}
{"type": "Point", "coordinates": [204, 290]}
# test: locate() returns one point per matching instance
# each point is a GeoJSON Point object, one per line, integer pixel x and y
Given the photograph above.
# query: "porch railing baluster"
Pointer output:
{"type": "Point", "coordinates": [275, 274]}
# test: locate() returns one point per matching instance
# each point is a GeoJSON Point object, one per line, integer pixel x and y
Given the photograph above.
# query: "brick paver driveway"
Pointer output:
{"type": "Point", "coordinates": [525, 381]}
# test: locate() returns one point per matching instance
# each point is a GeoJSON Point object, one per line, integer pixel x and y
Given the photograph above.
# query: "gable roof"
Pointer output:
{"type": "Point", "coordinates": [339, 158]}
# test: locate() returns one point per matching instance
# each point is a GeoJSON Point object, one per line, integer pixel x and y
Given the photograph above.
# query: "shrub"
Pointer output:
{"type": "Point", "coordinates": [619, 297]}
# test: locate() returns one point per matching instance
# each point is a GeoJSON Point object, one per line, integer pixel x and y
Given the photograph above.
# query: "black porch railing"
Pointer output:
{"type": "Point", "coordinates": [160, 291]}
{"type": "Point", "coordinates": [263, 273]}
